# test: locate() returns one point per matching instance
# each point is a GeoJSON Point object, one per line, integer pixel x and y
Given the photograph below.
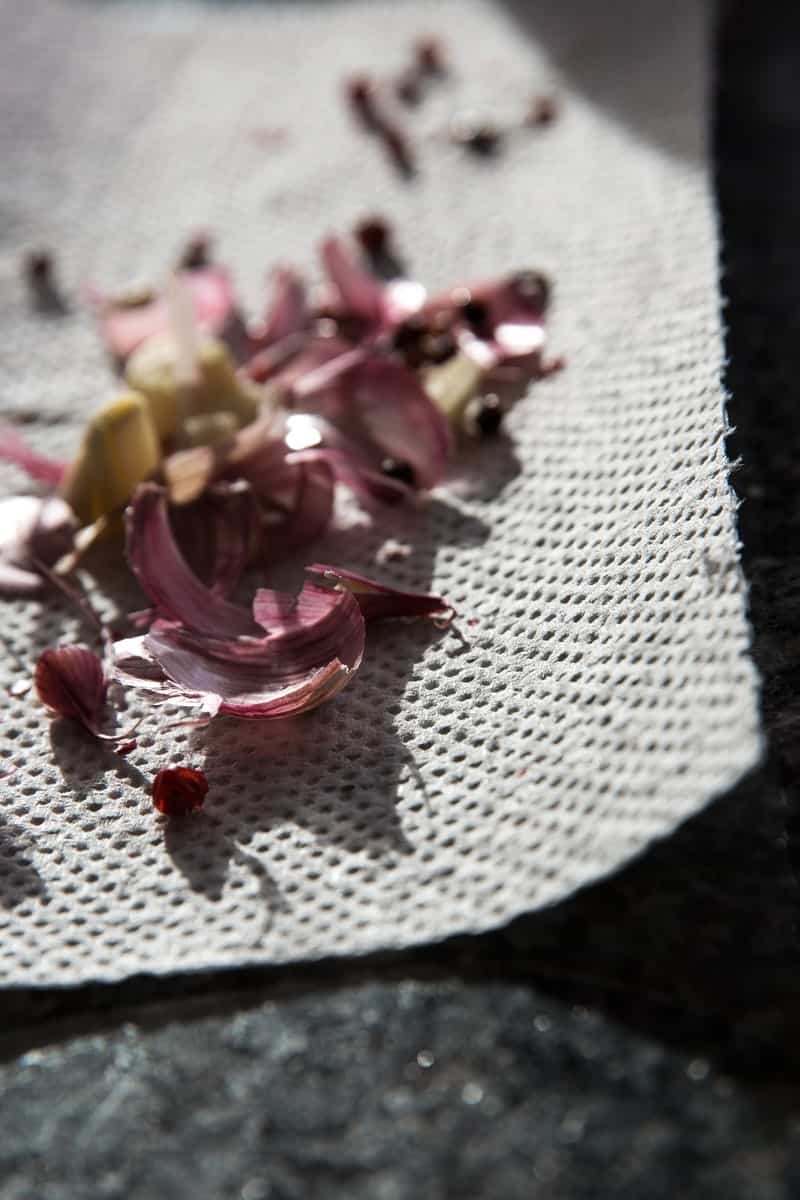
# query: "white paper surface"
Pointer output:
{"type": "Point", "coordinates": [603, 692]}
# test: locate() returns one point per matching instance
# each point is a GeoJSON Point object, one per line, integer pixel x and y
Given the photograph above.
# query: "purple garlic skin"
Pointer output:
{"type": "Point", "coordinates": [32, 529]}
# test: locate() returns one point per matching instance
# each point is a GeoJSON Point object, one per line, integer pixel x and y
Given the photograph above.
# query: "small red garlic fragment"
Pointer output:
{"type": "Point", "coordinates": [178, 791]}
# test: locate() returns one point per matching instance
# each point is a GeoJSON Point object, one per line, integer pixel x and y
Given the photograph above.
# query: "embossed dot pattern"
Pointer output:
{"type": "Point", "coordinates": [597, 689]}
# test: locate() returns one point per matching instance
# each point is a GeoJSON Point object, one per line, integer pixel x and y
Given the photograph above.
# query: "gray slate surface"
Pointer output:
{"type": "Point", "coordinates": [382, 1092]}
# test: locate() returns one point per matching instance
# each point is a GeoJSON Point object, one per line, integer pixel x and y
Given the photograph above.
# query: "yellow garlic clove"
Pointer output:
{"type": "Point", "coordinates": [452, 384]}
{"type": "Point", "coordinates": [220, 388]}
{"type": "Point", "coordinates": [120, 449]}
{"type": "Point", "coordinates": [151, 370]}
{"type": "Point", "coordinates": [209, 429]}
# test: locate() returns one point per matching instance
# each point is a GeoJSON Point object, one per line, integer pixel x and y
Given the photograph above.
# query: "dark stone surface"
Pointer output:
{"type": "Point", "coordinates": [413, 1090]}
{"type": "Point", "coordinates": [640, 1040]}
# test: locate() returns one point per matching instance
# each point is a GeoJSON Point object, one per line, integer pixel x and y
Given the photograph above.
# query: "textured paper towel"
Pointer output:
{"type": "Point", "coordinates": [603, 692]}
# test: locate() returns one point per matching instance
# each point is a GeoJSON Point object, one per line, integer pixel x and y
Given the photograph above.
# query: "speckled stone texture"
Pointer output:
{"type": "Point", "coordinates": [428, 1091]}
{"type": "Point", "coordinates": [639, 1041]}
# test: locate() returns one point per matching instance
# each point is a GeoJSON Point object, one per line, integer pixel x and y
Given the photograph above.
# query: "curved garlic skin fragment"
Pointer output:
{"type": "Point", "coordinates": [120, 450]}
{"type": "Point", "coordinates": [288, 313]}
{"type": "Point", "coordinates": [127, 321]}
{"type": "Point", "coordinates": [377, 600]}
{"type": "Point", "coordinates": [71, 682]}
{"type": "Point", "coordinates": [32, 528]}
{"type": "Point", "coordinates": [41, 467]}
{"type": "Point", "coordinates": [357, 291]}
{"type": "Point", "coordinates": [284, 657]}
